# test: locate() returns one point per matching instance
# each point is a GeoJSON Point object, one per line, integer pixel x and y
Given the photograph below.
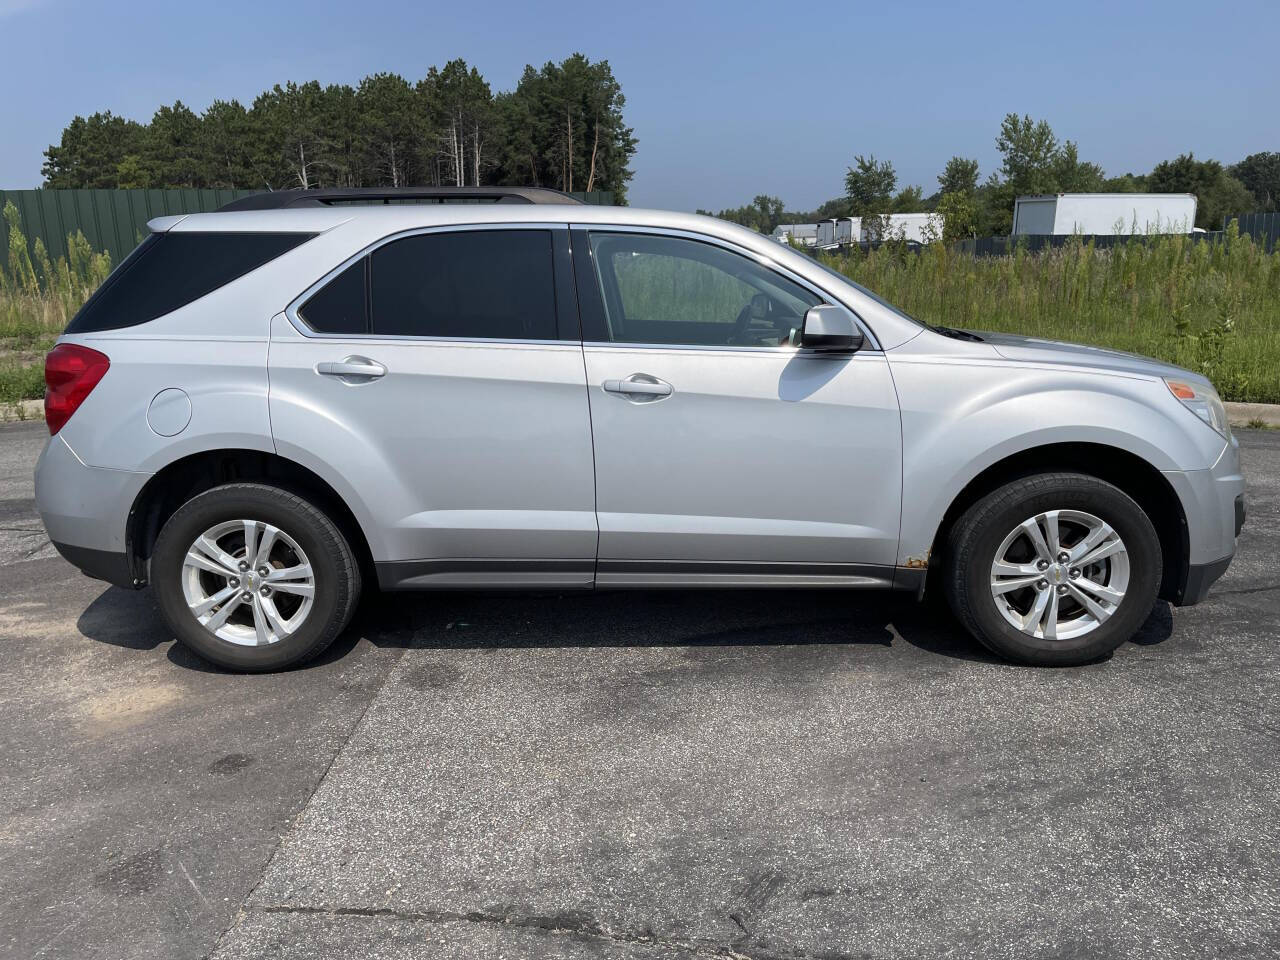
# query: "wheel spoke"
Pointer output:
{"type": "Point", "coordinates": [223, 595]}
{"type": "Point", "coordinates": [263, 555]}
{"type": "Point", "coordinates": [1099, 590]}
{"type": "Point", "coordinates": [210, 549]}
{"type": "Point", "coordinates": [1036, 612]}
{"type": "Point", "coordinates": [1013, 583]}
{"type": "Point", "coordinates": [202, 561]}
{"type": "Point", "coordinates": [1003, 568]}
{"type": "Point", "coordinates": [1095, 536]}
{"type": "Point", "coordinates": [260, 626]}
{"type": "Point", "coordinates": [278, 625]}
{"type": "Point", "coordinates": [1032, 529]}
{"type": "Point", "coordinates": [300, 589]}
{"type": "Point", "coordinates": [1106, 549]}
{"type": "Point", "coordinates": [301, 572]}
{"type": "Point", "coordinates": [216, 621]}
{"type": "Point", "coordinates": [1049, 623]}
{"type": "Point", "coordinates": [250, 540]}
{"type": "Point", "coordinates": [1096, 610]}
{"type": "Point", "coordinates": [1052, 538]}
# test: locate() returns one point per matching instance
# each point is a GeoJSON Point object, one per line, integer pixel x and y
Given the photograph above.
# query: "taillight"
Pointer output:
{"type": "Point", "coordinates": [70, 374]}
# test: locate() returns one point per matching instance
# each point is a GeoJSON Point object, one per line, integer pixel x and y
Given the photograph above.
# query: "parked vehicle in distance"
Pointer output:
{"type": "Point", "coordinates": [802, 234]}
{"type": "Point", "coordinates": [1106, 214]}
{"type": "Point", "coordinates": [265, 409]}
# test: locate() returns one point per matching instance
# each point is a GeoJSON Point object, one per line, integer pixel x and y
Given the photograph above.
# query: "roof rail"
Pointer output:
{"type": "Point", "coordinates": [327, 196]}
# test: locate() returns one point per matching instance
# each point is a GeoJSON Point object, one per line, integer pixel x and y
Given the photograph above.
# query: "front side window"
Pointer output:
{"type": "Point", "coordinates": [670, 290]}
{"type": "Point", "coordinates": [493, 284]}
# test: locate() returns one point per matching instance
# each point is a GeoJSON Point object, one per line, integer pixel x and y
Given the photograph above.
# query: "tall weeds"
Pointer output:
{"type": "Point", "coordinates": [38, 296]}
{"type": "Point", "coordinates": [1209, 306]}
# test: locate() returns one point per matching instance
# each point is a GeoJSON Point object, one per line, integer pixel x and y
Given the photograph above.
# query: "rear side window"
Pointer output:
{"type": "Point", "coordinates": [170, 270]}
{"type": "Point", "coordinates": [492, 284]}
{"type": "Point", "coordinates": [341, 305]}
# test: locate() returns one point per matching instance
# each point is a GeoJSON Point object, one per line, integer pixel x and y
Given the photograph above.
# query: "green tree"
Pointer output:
{"type": "Point", "coordinates": [392, 129]}
{"type": "Point", "coordinates": [132, 173]}
{"type": "Point", "coordinates": [959, 214]}
{"type": "Point", "coordinates": [463, 117]}
{"type": "Point", "coordinates": [1033, 162]}
{"type": "Point", "coordinates": [172, 147]}
{"type": "Point", "coordinates": [90, 150]}
{"type": "Point", "coordinates": [1218, 194]}
{"type": "Point", "coordinates": [223, 145]}
{"type": "Point", "coordinates": [288, 146]}
{"type": "Point", "coordinates": [869, 186]}
{"type": "Point", "coordinates": [1029, 152]}
{"type": "Point", "coordinates": [959, 176]}
{"type": "Point", "coordinates": [1072, 175]}
{"type": "Point", "coordinates": [763, 214]}
{"type": "Point", "coordinates": [909, 200]}
{"type": "Point", "coordinates": [1260, 173]}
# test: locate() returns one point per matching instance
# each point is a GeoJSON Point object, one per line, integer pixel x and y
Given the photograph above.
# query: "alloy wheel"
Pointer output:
{"type": "Point", "coordinates": [1060, 574]}
{"type": "Point", "coordinates": [248, 582]}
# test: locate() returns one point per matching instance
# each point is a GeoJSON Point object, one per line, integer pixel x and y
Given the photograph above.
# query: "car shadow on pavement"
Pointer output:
{"type": "Point", "coordinates": [465, 620]}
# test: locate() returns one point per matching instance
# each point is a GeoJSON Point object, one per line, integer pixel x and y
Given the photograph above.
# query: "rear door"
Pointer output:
{"type": "Point", "coordinates": [723, 453]}
{"type": "Point", "coordinates": [437, 381]}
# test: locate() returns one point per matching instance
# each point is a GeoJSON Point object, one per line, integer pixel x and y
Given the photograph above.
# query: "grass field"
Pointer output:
{"type": "Point", "coordinates": [1212, 307]}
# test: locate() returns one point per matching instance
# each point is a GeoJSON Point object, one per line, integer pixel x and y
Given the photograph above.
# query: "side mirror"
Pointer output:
{"type": "Point", "coordinates": [830, 327]}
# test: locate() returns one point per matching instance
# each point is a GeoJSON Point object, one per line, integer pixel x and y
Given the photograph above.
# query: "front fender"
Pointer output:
{"type": "Point", "coordinates": [961, 418]}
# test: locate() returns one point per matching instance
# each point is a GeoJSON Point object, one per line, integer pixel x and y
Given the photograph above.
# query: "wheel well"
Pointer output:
{"type": "Point", "coordinates": [1135, 476]}
{"type": "Point", "coordinates": [183, 479]}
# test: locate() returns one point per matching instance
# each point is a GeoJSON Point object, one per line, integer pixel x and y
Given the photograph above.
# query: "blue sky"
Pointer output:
{"type": "Point", "coordinates": [727, 99]}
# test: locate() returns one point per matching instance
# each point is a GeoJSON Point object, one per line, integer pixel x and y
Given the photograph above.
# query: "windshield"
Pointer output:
{"type": "Point", "coordinates": [873, 295]}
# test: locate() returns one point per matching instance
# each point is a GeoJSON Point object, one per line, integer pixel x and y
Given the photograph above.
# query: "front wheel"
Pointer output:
{"type": "Point", "coordinates": [1053, 570]}
{"type": "Point", "coordinates": [252, 577]}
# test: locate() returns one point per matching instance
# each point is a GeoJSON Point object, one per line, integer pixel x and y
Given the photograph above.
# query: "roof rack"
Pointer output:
{"type": "Point", "coordinates": [328, 196]}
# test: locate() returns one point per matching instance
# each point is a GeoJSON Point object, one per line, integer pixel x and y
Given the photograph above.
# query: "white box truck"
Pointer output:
{"type": "Point", "coordinates": [1105, 213]}
{"type": "Point", "coordinates": [915, 227]}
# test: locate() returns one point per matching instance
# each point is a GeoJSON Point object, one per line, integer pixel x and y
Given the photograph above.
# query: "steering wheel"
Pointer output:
{"type": "Point", "coordinates": [757, 308]}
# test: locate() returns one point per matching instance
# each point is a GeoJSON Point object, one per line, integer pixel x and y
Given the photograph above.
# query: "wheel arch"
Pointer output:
{"type": "Point", "coordinates": [179, 481]}
{"type": "Point", "coordinates": [1129, 472]}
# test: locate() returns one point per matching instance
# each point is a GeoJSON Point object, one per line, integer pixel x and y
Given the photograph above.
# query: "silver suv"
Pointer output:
{"type": "Point", "coordinates": [266, 408]}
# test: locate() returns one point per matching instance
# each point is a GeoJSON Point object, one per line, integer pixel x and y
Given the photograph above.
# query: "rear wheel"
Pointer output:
{"type": "Point", "coordinates": [252, 577]}
{"type": "Point", "coordinates": [1053, 570]}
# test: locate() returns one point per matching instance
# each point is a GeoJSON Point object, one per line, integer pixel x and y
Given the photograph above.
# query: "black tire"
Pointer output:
{"type": "Point", "coordinates": [980, 531]}
{"type": "Point", "coordinates": [334, 568]}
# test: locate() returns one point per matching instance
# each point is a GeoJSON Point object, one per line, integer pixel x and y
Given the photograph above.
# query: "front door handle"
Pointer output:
{"type": "Point", "coordinates": [352, 369]}
{"type": "Point", "coordinates": [640, 387]}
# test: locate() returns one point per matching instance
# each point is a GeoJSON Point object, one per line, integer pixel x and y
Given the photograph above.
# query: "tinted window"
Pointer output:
{"type": "Point", "coordinates": [340, 306]}
{"type": "Point", "coordinates": [494, 284]}
{"type": "Point", "coordinates": [170, 270]}
{"type": "Point", "coordinates": [672, 290]}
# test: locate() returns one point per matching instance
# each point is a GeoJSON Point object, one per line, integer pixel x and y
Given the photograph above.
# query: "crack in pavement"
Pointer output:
{"type": "Point", "coordinates": [570, 922]}
{"type": "Point", "coordinates": [240, 913]}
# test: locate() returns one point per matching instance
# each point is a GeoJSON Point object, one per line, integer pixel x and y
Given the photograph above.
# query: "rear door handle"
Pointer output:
{"type": "Point", "coordinates": [352, 369]}
{"type": "Point", "coordinates": [639, 386]}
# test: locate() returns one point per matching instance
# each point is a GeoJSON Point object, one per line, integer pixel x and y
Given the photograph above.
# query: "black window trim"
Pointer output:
{"type": "Point", "coordinates": [566, 312]}
{"type": "Point", "coordinates": [589, 295]}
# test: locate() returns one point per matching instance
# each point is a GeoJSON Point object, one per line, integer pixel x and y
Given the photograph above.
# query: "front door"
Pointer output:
{"type": "Point", "coordinates": [723, 454]}
{"type": "Point", "coordinates": [437, 383]}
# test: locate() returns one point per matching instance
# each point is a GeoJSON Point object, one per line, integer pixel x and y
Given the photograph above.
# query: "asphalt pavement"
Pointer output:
{"type": "Point", "coordinates": [627, 775]}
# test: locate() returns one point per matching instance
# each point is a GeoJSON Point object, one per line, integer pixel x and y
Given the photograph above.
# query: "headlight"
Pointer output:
{"type": "Point", "coordinates": [1203, 401]}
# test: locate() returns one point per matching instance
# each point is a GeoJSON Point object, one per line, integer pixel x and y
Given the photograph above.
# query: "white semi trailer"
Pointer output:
{"type": "Point", "coordinates": [1105, 213]}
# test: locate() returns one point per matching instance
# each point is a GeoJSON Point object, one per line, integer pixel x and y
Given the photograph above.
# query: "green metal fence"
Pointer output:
{"type": "Point", "coordinates": [115, 220]}
{"type": "Point", "coordinates": [111, 220]}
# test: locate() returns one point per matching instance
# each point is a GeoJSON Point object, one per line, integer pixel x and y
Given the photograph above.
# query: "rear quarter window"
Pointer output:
{"type": "Point", "coordinates": [169, 270]}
